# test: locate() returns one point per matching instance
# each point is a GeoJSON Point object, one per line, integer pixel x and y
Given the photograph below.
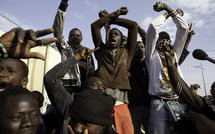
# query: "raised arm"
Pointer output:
{"type": "Point", "coordinates": [59, 24]}
{"type": "Point", "coordinates": [180, 87]}
{"type": "Point", "coordinates": [185, 52]}
{"type": "Point", "coordinates": [142, 34]}
{"type": "Point", "coordinates": [153, 31]}
{"type": "Point", "coordinates": [58, 96]}
{"type": "Point", "coordinates": [98, 24]}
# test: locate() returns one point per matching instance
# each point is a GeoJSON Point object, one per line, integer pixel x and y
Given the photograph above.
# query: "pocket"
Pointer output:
{"type": "Point", "coordinates": [156, 104]}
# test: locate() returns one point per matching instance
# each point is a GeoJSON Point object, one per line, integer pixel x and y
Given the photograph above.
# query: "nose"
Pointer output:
{"type": "Point", "coordinates": [26, 122]}
{"type": "Point", "coordinates": [100, 87]}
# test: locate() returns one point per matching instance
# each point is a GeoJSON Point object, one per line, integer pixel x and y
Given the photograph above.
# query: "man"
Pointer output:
{"type": "Point", "coordinates": [159, 85]}
{"type": "Point", "coordinates": [90, 109]}
{"type": "Point", "coordinates": [114, 62]}
{"type": "Point", "coordinates": [19, 111]}
{"type": "Point", "coordinates": [78, 73]}
{"type": "Point", "coordinates": [139, 98]}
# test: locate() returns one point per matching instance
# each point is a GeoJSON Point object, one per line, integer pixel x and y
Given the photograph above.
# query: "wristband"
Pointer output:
{"type": "Point", "coordinates": [3, 50]}
{"type": "Point", "coordinates": [166, 15]}
{"type": "Point", "coordinates": [173, 14]}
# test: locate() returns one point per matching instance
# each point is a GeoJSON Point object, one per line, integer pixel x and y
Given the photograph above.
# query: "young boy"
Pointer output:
{"type": "Point", "coordinates": [13, 72]}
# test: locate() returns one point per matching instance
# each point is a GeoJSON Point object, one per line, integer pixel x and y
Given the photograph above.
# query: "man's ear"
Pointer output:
{"type": "Point", "coordinates": [24, 82]}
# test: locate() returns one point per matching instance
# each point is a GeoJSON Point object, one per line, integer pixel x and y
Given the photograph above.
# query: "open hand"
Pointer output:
{"type": "Point", "coordinates": [18, 42]}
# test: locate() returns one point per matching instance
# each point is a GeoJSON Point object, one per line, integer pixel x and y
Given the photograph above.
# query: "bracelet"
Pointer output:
{"type": "Point", "coordinates": [166, 15]}
{"type": "Point", "coordinates": [173, 14]}
{"type": "Point", "coordinates": [3, 50]}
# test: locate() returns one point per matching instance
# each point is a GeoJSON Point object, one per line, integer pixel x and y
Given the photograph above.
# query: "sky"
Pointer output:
{"type": "Point", "coordinates": [40, 14]}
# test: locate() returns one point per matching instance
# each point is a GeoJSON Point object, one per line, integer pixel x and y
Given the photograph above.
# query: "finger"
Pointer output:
{"type": "Point", "coordinates": [44, 32]}
{"type": "Point", "coordinates": [93, 50]}
{"type": "Point", "coordinates": [85, 131]}
{"type": "Point", "coordinates": [45, 41]}
{"type": "Point", "coordinates": [30, 35]}
{"type": "Point", "coordinates": [34, 55]}
{"type": "Point", "coordinates": [20, 33]}
{"type": "Point", "coordinates": [190, 26]}
{"type": "Point", "coordinates": [70, 129]}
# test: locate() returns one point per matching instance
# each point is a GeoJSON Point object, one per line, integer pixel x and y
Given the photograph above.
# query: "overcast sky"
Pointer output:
{"type": "Point", "coordinates": [39, 14]}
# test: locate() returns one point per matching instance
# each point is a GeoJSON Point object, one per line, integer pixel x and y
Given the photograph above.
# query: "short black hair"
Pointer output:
{"type": "Point", "coordinates": [12, 91]}
{"type": "Point", "coordinates": [164, 35]}
{"type": "Point", "coordinates": [74, 30]}
{"type": "Point", "coordinates": [213, 85]}
{"type": "Point", "coordinates": [24, 67]}
{"type": "Point", "coordinates": [39, 96]}
{"type": "Point", "coordinates": [86, 83]}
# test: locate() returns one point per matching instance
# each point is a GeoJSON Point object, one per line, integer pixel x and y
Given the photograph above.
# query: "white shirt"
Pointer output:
{"type": "Point", "coordinates": [152, 58]}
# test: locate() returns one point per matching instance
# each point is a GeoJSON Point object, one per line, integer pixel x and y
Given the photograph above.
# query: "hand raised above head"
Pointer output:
{"type": "Point", "coordinates": [122, 11]}
{"type": "Point", "coordinates": [159, 6]}
{"type": "Point", "coordinates": [64, 1]}
{"type": "Point", "coordinates": [103, 13]}
{"type": "Point", "coordinates": [18, 42]}
{"type": "Point", "coordinates": [85, 53]}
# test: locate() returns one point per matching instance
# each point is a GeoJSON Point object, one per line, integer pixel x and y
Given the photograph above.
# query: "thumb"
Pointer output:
{"type": "Point", "coordinates": [70, 129]}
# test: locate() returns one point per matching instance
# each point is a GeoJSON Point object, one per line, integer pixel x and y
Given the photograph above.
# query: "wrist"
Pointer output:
{"type": "Point", "coordinates": [173, 13]}
{"type": "Point", "coordinates": [166, 15]}
{"type": "Point", "coordinates": [78, 57]}
{"type": "Point", "coordinates": [3, 51]}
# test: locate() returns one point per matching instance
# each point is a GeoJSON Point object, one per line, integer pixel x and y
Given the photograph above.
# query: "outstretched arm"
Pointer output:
{"type": "Point", "coordinates": [97, 25]}
{"type": "Point", "coordinates": [59, 24]}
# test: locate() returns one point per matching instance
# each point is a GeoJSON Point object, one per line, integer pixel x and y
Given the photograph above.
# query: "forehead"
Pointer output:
{"type": "Point", "coordinates": [115, 31]}
{"type": "Point", "coordinates": [20, 103]}
{"type": "Point", "coordinates": [10, 63]}
{"type": "Point", "coordinates": [140, 44]}
{"type": "Point", "coordinates": [75, 31]}
{"type": "Point", "coordinates": [94, 80]}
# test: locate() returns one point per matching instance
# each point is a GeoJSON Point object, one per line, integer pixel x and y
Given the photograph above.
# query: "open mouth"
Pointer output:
{"type": "Point", "coordinates": [2, 85]}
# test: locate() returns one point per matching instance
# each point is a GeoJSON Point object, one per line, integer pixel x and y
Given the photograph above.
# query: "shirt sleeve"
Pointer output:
{"type": "Point", "coordinates": [181, 34]}
{"type": "Point", "coordinates": [58, 26]}
{"type": "Point", "coordinates": [152, 36]}
{"type": "Point", "coordinates": [57, 94]}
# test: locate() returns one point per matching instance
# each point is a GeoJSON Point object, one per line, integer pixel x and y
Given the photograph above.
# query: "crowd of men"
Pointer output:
{"type": "Point", "coordinates": [137, 87]}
